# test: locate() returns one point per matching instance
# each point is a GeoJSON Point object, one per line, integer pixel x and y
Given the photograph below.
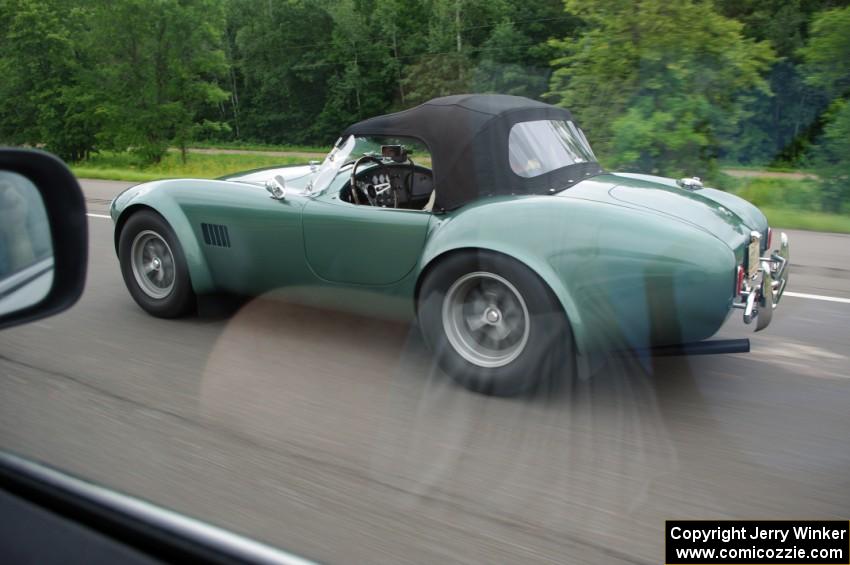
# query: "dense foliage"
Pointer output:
{"type": "Point", "coordinates": [827, 68]}
{"type": "Point", "coordinates": [668, 86]}
{"type": "Point", "coordinates": [662, 86]}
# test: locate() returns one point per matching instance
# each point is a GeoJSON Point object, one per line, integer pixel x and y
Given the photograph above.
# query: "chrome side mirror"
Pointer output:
{"type": "Point", "coordinates": [277, 187]}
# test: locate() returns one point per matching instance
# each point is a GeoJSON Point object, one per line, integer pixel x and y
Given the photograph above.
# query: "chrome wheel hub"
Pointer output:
{"type": "Point", "coordinates": [485, 319]}
{"type": "Point", "coordinates": [153, 264]}
{"type": "Point", "coordinates": [492, 315]}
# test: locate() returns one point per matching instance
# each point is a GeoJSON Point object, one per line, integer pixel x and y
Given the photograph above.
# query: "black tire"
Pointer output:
{"type": "Point", "coordinates": [547, 353]}
{"type": "Point", "coordinates": [180, 298]}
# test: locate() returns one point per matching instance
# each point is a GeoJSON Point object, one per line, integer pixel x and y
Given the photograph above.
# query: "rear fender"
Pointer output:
{"type": "Point", "coordinates": [481, 227]}
{"type": "Point", "coordinates": [625, 278]}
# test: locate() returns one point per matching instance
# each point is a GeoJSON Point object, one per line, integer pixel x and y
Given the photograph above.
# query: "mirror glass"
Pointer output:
{"type": "Point", "coordinates": [26, 251]}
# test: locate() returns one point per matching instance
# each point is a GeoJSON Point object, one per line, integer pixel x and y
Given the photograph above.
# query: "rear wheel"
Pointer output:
{"type": "Point", "coordinates": [154, 267]}
{"type": "Point", "coordinates": [494, 325]}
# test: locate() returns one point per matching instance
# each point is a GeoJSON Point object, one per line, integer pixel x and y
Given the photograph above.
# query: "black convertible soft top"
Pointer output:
{"type": "Point", "coordinates": [467, 136]}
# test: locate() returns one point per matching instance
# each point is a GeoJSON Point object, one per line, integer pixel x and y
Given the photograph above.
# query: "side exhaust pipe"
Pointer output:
{"type": "Point", "coordinates": [711, 347]}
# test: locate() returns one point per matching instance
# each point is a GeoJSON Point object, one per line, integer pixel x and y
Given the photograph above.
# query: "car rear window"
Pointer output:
{"type": "Point", "coordinates": [538, 147]}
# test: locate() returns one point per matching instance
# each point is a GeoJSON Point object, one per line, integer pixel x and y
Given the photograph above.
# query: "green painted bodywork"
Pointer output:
{"type": "Point", "coordinates": [634, 260]}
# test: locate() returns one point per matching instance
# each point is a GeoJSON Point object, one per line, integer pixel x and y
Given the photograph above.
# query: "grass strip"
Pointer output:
{"type": "Point", "coordinates": [122, 166]}
{"type": "Point", "coordinates": [249, 146]}
{"type": "Point", "coordinates": [805, 220]}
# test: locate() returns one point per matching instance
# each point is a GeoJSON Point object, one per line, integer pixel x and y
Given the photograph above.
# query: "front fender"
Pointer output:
{"type": "Point", "coordinates": [159, 196]}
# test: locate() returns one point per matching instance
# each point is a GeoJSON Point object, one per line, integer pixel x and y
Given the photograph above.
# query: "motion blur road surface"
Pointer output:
{"type": "Point", "coordinates": [335, 438]}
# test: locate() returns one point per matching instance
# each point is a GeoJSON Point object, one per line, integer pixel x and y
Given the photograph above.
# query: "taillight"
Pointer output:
{"type": "Point", "coordinates": [739, 281]}
{"type": "Point", "coordinates": [769, 237]}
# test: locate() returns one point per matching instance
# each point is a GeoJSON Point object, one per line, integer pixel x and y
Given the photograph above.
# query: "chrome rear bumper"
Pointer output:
{"type": "Point", "coordinates": [765, 283]}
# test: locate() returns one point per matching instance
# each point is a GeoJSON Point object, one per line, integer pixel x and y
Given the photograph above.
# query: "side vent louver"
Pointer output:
{"type": "Point", "coordinates": [215, 234]}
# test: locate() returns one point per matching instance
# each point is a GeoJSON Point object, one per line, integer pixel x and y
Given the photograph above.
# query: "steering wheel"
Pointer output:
{"type": "Point", "coordinates": [372, 191]}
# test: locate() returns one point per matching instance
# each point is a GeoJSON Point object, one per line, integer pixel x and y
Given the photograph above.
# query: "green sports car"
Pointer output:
{"type": "Point", "coordinates": [486, 218]}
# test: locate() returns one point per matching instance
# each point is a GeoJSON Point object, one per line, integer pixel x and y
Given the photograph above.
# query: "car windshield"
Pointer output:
{"type": "Point", "coordinates": [541, 146]}
{"type": "Point", "coordinates": [350, 148]}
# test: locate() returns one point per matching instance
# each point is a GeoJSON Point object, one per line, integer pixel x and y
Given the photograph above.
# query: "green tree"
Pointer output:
{"type": "Point", "coordinates": [445, 66]}
{"type": "Point", "coordinates": [403, 25]}
{"type": "Point", "coordinates": [504, 65]}
{"type": "Point", "coordinates": [660, 86]}
{"type": "Point", "coordinates": [781, 124]}
{"type": "Point", "coordinates": [827, 53]}
{"type": "Point", "coordinates": [457, 29]}
{"type": "Point", "coordinates": [41, 99]}
{"type": "Point", "coordinates": [158, 71]}
{"type": "Point", "coordinates": [515, 56]}
{"type": "Point", "coordinates": [362, 75]}
{"type": "Point", "coordinates": [282, 67]}
{"type": "Point", "coordinates": [827, 67]}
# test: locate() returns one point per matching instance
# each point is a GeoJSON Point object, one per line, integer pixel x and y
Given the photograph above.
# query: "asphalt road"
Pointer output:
{"type": "Point", "coordinates": [334, 437]}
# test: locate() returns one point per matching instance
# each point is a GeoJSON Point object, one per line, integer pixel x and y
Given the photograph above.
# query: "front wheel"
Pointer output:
{"type": "Point", "coordinates": [154, 267]}
{"type": "Point", "coordinates": [493, 324]}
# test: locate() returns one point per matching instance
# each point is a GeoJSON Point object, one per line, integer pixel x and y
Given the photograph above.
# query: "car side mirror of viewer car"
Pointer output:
{"type": "Point", "coordinates": [43, 236]}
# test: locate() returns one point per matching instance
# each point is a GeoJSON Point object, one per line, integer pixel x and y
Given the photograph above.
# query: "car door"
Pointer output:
{"type": "Point", "coordinates": [352, 244]}
{"type": "Point", "coordinates": [251, 243]}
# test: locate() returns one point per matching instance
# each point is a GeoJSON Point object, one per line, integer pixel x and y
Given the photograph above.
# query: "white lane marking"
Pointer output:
{"type": "Point", "coordinates": [817, 297]}
{"type": "Point", "coordinates": [787, 293]}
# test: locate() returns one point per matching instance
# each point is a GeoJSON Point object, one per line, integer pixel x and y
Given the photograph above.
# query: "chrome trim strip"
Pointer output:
{"type": "Point", "coordinates": [224, 544]}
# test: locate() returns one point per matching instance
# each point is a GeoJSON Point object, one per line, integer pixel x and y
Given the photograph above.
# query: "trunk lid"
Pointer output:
{"type": "Point", "coordinates": [724, 215]}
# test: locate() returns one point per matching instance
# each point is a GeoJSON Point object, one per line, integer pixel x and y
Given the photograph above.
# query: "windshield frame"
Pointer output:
{"type": "Point", "coordinates": [324, 176]}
